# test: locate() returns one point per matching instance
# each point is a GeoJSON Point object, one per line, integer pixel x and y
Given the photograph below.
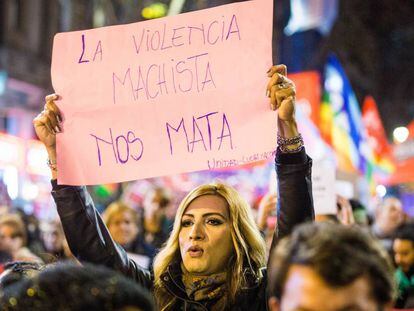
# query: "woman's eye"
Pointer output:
{"type": "Point", "coordinates": [214, 222]}
{"type": "Point", "coordinates": [186, 223]}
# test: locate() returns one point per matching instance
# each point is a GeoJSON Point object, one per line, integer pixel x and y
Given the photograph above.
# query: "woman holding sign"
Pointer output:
{"type": "Point", "coordinates": [215, 256]}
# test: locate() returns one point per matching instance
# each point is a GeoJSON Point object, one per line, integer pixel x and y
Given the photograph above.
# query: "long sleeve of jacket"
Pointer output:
{"type": "Point", "coordinates": [87, 235]}
{"type": "Point", "coordinates": [295, 201]}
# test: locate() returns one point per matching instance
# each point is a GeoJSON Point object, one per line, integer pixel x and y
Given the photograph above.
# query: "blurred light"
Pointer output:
{"type": "Point", "coordinates": [381, 190]}
{"type": "Point", "coordinates": [154, 10]}
{"type": "Point", "coordinates": [99, 17]}
{"type": "Point", "coordinates": [333, 82]}
{"type": "Point", "coordinates": [400, 134]}
{"type": "Point", "coordinates": [306, 15]}
{"type": "Point", "coordinates": [3, 81]}
{"type": "Point", "coordinates": [11, 179]}
{"type": "Point", "coordinates": [30, 191]}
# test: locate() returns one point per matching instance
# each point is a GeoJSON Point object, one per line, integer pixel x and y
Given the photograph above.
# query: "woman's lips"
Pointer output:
{"type": "Point", "coordinates": [195, 251]}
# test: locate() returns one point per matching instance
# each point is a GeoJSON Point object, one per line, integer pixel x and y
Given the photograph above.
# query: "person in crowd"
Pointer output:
{"type": "Point", "coordinates": [215, 256]}
{"type": "Point", "coordinates": [5, 200]}
{"type": "Point", "coordinates": [332, 218]}
{"type": "Point", "coordinates": [266, 219]}
{"type": "Point", "coordinates": [18, 270]}
{"type": "Point", "coordinates": [389, 215]}
{"type": "Point", "coordinates": [69, 287]}
{"type": "Point", "coordinates": [266, 208]}
{"type": "Point", "coordinates": [122, 223]}
{"type": "Point", "coordinates": [330, 267]}
{"type": "Point", "coordinates": [156, 223]}
{"type": "Point", "coordinates": [403, 247]}
{"type": "Point", "coordinates": [359, 212]}
{"type": "Point", "coordinates": [344, 211]}
{"type": "Point", "coordinates": [31, 224]}
{"type": "Point", "coordinates": [54, 241]}
{"type": "Point", "coordinates": [13, 239]}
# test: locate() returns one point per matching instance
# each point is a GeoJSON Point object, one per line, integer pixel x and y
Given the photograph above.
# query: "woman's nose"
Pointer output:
{"type": "Point", "coordinates": [197, 232]}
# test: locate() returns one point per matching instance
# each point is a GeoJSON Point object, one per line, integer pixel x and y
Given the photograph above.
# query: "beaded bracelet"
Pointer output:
{"type": "Point", "coordinates": [284, 142]}
{"type": "Point", "coordinates": [286, 150]}
{"type": "Point", "coordinates": [51, 165]}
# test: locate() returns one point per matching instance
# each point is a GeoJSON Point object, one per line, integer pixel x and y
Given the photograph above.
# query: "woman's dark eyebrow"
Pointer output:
{"type": "Point", "coordinates": [214, 214]}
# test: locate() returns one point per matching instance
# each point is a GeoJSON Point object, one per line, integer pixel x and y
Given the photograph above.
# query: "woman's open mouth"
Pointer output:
{"type": "Point", "coordinates": [195, 251]}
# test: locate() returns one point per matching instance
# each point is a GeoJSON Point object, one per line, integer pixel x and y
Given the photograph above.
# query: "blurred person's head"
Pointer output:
{"type": "Point", "coordinates": [53, 236]}
{"type": "Point", "coordinates": [155, 203]}
{"type": "Point", "coordinates": [17, 271]}
{"type": "Point", "coordinates": [12, 233]}
{"type": "Point", "coordinates": [122, 222]}
{"type": "Point", "coordinates": [31, 223]}
{"type": "Point", "coordinates": [403, 247]}
{"type": "Point", "coordinates": [360, 212]}
{"type": "Point", "coordinates": [326, 266]}
{"type": "Point", "coordinates": [332, 218]}
{"type": "Point", "coordinates": [389, 215]}
{"type": "Point", "coordinates": [214, 232]}
{"type": "Point", "coordinates": [65, 286]}
{"type": "Point", "coordinates": [157, 197]}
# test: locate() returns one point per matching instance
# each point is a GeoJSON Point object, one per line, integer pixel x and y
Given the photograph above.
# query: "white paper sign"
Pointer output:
{"type": "Point", "coordinates": [323, 189]}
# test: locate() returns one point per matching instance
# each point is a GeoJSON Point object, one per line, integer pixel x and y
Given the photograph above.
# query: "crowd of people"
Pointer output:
{"type": "Point", "coordinates": [214, 252]}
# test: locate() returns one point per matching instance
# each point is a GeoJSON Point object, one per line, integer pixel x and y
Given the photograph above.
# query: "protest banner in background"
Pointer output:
{"type": "Point", "coordinates": [165, 96]}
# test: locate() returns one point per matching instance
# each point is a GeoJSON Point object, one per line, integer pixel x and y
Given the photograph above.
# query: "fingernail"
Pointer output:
{"type": "Point", "coordinates": [57, 129]}
{"type": "Point", "coordinates": [269, 70]}
{"type": "Point", "coordinates": [267, 93]}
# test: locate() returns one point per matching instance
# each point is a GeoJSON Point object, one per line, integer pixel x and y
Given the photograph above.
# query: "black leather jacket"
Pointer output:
{"type": "Point", "coordinates": [89, 239]}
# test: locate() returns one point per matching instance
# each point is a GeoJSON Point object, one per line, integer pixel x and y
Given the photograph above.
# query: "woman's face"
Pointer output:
{"type": "Point", "coordinates": [9, 241]}
{"type": "Point", "coordinates": [205, 235]}
{"type": "Point", "coordinates": [122, 228]}
{"type": "Point", "coordinates": [53, 238]}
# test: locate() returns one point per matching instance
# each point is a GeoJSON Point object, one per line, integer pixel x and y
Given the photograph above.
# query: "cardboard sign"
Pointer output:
{"type": "Point", "coordinates": [165, 96]}
{"type": "Point", "coordinates": [323, 188]}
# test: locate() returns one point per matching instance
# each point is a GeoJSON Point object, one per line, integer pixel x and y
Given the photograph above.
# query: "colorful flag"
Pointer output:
{"type": "Point", "coordinates": [359, 142]}
{"type": "Point", "coordinates": [382, 160]}
{"type": "Point", "coordinates": [341, 121]}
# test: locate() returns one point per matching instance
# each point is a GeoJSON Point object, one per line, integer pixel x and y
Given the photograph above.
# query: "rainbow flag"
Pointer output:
{"type": "Point", "coordinates": [341, 122]}
{"type": "Point", "coordinates": [382, 159]}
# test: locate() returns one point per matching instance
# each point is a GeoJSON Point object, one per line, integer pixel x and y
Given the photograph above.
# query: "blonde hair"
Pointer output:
{"type": "Point", "coordinates": [116, 208]}
{"type": "Point", "coordinates": [248, 244]}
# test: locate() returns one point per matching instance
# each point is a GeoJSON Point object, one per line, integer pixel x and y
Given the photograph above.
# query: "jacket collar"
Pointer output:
{"type": "Point", "coordinates": [172, 281]}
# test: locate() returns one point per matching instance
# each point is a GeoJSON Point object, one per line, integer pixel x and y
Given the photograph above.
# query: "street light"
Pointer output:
{"type": "Point", "coordinates": [400, 134]}
{"type": "Point", "coordinates": [381, 191]}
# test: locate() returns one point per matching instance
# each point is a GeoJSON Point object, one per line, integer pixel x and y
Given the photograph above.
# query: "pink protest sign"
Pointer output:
{"type": "Point", "coordinates": [166, 96]}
